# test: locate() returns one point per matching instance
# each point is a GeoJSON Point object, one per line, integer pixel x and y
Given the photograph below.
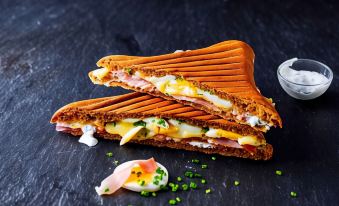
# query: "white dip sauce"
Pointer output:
{"type": "Point", "coordinates": [87, 136]}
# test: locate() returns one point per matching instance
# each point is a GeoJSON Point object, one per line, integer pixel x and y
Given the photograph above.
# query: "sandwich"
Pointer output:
{"type": "Point", "coordinates": [217, 79]}
{"type": "Point", "coordinates": [145, 119]}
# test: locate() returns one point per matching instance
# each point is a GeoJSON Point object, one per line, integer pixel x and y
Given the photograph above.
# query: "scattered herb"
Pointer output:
{"type": "Point", "coordinates": [116, 162]}
{"type": "Point", "coordinates": [236, 183]}
{"type": "Point", "coordinates": [193, 185]}
{"type": "Point", "coordinates": [180, 121]}
{"type": "Point", "coordinates": [213, 158]}
{"type": "Point", "coordinates": [156, 182]}
{"type": "Point", "coordinates": [107, 189]}
{"type": "Point", "coordinates": [162, 123]}
{"type": "Point", "coordinates": [197, 175]}
{"type": "Point", "coordinates": [128, 70]}
{"type": "Point", "coordinates": [203, 166]}
{"type": "Point", "coordinates": [203, 181]}
{"type": "Point", "coordinates": [184, 187]}
{"type": "Point", "coordinates": [144, 193]}
{"type": "Point", "coordinates": [154, 194]}
{"type": "Point", "coordinates": [205, 129]}
{"type": "Point", "coordinates": [139, 123]}
{"type": "Point", "coordinates": [179, 78]}
{"type": "Point", "coordinates": [278, 172]}
{"type": "Point", "coordinates": [109, 154]}
{"type": "Point", "coordinates": [178, 199]}
{"type": "Point", "coordinates": [293, 194]}
{"type": "Point", "coordinates": [172, 202]}
{"type": "Point", "coordinates": [208, 191]}
{"type": "Point", "coordinates": [196, 161]}
{"type": "Point", "coordinates": [141, 182]}
{"type": "Point", "coordinates": [179, 179]}
{"type": "Point", "coordinates": [114, 124]}
{"type": "Point", "coordinates": [189, 174]}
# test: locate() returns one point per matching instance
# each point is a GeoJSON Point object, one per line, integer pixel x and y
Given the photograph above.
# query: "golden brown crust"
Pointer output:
{"type": "Point", "coordinates": [225, 68]}
{"type": "Point", "coordinates": [262, 153]}
{"type": "Point", "coordinates": [139, 105]}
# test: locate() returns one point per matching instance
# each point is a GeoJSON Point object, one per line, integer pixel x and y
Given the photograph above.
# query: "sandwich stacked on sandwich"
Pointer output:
{"type": "Point", "coordinates": [202, 100]}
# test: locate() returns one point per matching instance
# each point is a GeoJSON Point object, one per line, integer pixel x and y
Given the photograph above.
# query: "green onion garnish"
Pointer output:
{"type": "Point", "coordinates": [203, 181]}
{"type": "Point", "coordinates": [139, 123]}
{"type": "Point", "coordinates": [236, 183]}
{"type": "Point", "coordinates": [109, 154]}
{"type": "Point", "coordinates": [154, 194]}
{"type": "Point", "coordinates": [189, 174]}
{"type": "Point", "coordinates": [205, 129]}
{"type": "Point", "coordinates": [278, 172]}
{"type": "Point", "coordinates": [144, 193]}
{"type": "Point", "coordinates": [163, 187]}
{"type": "Point", "coordinates": [162, 122]}
{"type": "Point", "coordinates": [141, 182]}
{"type": "Point", "coordinates": [116, 162]}
{"type": "Point", "coordinates": [203, 166]}
{"type": "Point", "coordinates": [193, 185]}
{"type": "Point", "coordinates": [184, 187]}
{"type": "Point", "coordinates": [179, 179]}
{"type": "Point", "coordinates": [107, 189]}
{"type": "Point", "coordinates": [128, 70]}
{"type": "Point", "coordinates": [208, 191]}
{"type": "Point", "coordinates": [178, 199]}
{"type": "Point", "coordinates": [197, 175]}
{"type": "Point", "coordinates": [196, 161]}
{"type": "Point", "coordinates": [293, 194]}
{"type": "Point", "coordinates": [172, 202]}
{"type": "Point", "coordinates": [214, 158]}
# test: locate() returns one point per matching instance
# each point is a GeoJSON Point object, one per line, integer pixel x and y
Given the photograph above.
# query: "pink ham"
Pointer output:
{"type": "Point", "coordinates": [197, 101]}
{"type": "Point", "coordinates": [132, 80]}
{"type": "Point", "coordinates": [120, 175]}
{"type": "Point", "coordinates": [226, 142]}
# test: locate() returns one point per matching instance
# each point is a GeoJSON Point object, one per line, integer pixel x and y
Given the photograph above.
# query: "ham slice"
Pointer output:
{"type": "Point", "coordinates": [197, 101]}
{"type": "Point", "coordinates": [120, 175]}
{"type": "Point", "coordinates": [226, 142]}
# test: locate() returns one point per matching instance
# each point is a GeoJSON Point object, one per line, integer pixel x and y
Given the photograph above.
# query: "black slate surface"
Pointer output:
{"type": "Point", "coordinates": [48, 47]}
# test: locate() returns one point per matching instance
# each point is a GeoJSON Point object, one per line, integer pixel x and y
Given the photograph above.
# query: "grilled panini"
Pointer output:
{"type": "Point", "coordinates": [217, 79]}
{"type": "Point", "coordinates": [145, 119]}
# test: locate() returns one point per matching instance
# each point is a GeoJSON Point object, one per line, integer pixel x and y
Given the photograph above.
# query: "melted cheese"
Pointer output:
{"type": "Point", "coordinates": [173, 129]}
{"type": "Point", "coordinates": [172, 85]}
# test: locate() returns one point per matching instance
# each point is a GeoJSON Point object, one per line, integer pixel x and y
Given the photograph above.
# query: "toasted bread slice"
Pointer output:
{"type": "Point", "coordinates": [218, 79]}
{"type": "Point", "coordinates": [110, 114]}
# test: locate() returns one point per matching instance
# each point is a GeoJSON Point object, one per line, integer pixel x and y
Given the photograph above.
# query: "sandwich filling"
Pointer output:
{"type": "Point", "coordinates": [170, 129]}
{"type": "Point", "coordinates": [178, 88]}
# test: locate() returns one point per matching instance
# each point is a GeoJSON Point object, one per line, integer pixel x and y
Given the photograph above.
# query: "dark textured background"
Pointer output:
{"type": "Point", "coordinates": [48, 47]}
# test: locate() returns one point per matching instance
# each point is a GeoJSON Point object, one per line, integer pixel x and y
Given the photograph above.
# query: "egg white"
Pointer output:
{"type": "Point", "coordinates": [150, 187]}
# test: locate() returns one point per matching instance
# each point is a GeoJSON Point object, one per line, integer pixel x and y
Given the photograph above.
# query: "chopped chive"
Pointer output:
{"type": "Point", "coordinates": [196, 161]}
{"type": "Point", "coordinates": [214, 158]}
{"type": "Point", "coordinates": [205, 129]}
{"type": "Point", "coordinates": [189, 174]}
{"type": "Point", "coordinates": [203, 181]}
{"type": "Point", "coordinates": [179, 179]}
{"type": "Point", "coordinates": [278, 172]}
{"type": "Point", "coordinates": [107, 189]}
{"type": "Point", "coordinates": [203, 166]}
{"type": "Point", "coordinates": [128, 70]}
{"type": "Point", "coordinates": [197, 175]}
{"type": "Point", "coordinates": [175, 188]}
{"type": "Point", "coordinates": [172, 202]}
{"type": "Point", "coordinates": [171, 184]}
{"type": "Point", "coordinates": [293, 194]}
{"type": "Point", "coordinates": [144, 193]}
{"type": "Point", "coordinates": [154, 194]}
{"type": "Point", "coordinates": [139, 123]}
{"type": "Point", "coordinates": [156, 182]}
{"type": "Point", "coordinates": [116, 162]}
{"type": "Point", "coordinates": [193, 185]}
{"type": "Point", "coordinates": [114, 124]}
{"type": "Point", "coordinates": [109, 154]}
{"type": "Point", "coordinates": [141, 182]}
{"type": "Point", "coordinates": [162, 122]}
{"type": "Point", "coordinates": [178, 199]}
{"type": "Point", "coordinates": [208, 191]}
{"type": "Point", "coordinates": [184, 187]}
{"type": "Point", "coordinates": [236, 183]}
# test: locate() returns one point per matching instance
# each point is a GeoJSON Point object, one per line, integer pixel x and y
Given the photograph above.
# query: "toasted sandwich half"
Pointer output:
{"type": "Point", "coordinates": [217, 79]}
{"type": "Point", "coordinates": [145, 119]}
